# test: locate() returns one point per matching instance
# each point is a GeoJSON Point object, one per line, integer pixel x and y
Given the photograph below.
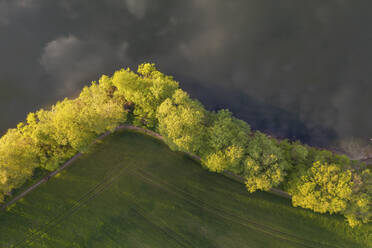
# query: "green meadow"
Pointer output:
{"type": "Point", "coordinates": [133, 191]}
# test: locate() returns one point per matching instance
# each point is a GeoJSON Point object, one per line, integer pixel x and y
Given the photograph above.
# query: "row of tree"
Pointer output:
{"type": "Point", "coordinates": [316, 179]}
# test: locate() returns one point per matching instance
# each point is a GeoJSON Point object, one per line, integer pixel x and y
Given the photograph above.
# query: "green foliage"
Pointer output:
{"type": "Point", "coordinates": [97, 112]}
{"type": "Point", "coordinates": [299, 153]}
{"type": "Point", "coordinates": [52, 147]}
{"type": "Point", "coordinates": [320, 155]}
{"type": "Point", "coordinates": [227, 138]}
{"type": "Point", "coordinates": [182, 123]}
{"type": "Point", "coordinates": [146, 91]}
{"type": "Point", "coordinates": [78, 122]}
{"type": "Point", "coordinates": [71, 125]}
{"type": "Point", "coordinates": [227, 130]}
{"type": "Point", "coordinates": [18, 158]}
{"type": "Point", "coordinates": [323, 188]}
{"type": "Point", "coordinates": [227, 159]}
{"type": "Point", "coordinates": [359, 209]}
{"type": "Point", "coordinates": [48, 138]}
{"type": "Point", "coordinates": [265, 164]}
{"type": "Point", "coordinates": [317, 179]}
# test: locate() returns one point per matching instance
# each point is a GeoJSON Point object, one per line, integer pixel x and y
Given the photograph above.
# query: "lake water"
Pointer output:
{"type": "Point", "coordinates": [296, 69]}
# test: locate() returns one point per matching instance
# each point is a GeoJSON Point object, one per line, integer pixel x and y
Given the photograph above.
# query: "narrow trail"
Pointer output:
{"type": "Point", "coordinates": [122, 127]}
{"type": "Point", "coordinates": [52, 174]}
{"type": "Point", "coordinates": [43, 180]}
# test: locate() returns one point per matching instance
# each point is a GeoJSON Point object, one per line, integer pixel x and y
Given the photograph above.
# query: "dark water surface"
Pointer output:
{"type": "Point", "coordinates": [297, 69]}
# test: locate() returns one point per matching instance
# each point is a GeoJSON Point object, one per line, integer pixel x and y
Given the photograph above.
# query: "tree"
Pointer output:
{"type": "Point", "coordinates": [146, 91]}
{"type": "Point", "coordinates": [182, 123]}
{"type": "Point", "coordinates": [51, 150]}
{"type": "Point", "coordinates": [322, 156]}
{"type": "Point", "coordinates": [323, 188]}
{"type": "Point", "coordinates": [229, 158]}
{"type": "Point", "coordinates": [226, 141]}
{"type": "Point", "coordinates": [78, 122]}
{"type": "Point", "coordinates": [299, 153]}
{"type": "Point", "coordinates": [72, 125]}
{"type": "Point", "coordinates": [99, 111]}
{"type": "Point", "coordinates": [359, 209]}
{"type": "Point", "coordinates": [265, 165]}
{"type": "Point", "coordinates": [317, 179]}
{"type": "Point", "coordinates": [18, 159]}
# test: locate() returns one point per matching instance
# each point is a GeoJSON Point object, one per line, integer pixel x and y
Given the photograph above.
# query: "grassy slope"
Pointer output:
{"type": "Point", "coordinates": [132, 191]}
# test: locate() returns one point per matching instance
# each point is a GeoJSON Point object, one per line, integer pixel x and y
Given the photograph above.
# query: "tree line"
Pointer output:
{"type": "Point", "coordinates": [316, 179]}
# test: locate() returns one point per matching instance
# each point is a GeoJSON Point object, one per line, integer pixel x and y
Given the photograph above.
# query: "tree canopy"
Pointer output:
{"type": "Point", "coordinates": [146, 90]}
{"type": "Point", "coordinates": [182, 122]}
{"type": "Point", "coordinates": [316, 179]}
{"type": "Point", "coordinates": [265, 164]}
{"type": "Point", "coordinates": [227, 138]}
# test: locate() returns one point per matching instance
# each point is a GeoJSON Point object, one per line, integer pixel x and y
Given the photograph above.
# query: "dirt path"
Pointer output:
{"type": "Point", "coordinates": [228, 174]}
{"type": "Point", "coordinates": [45, 179]}
{"type": "Point", "coordinates": [123, 127]}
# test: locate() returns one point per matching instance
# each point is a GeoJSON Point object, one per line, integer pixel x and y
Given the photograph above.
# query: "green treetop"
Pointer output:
{"type": "Point", "coordinates": [265, 166]}
{"type": "Point", "coordinates": [182, 123]}
{"type": "Point", "coordinates": [227, 138]}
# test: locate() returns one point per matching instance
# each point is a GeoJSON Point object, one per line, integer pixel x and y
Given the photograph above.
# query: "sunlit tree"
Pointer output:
{"type": "Point", "coordinates": [146, 90]}
{"type": "Point", "coordinates": [18, 159]}
{"type": "Point", "coordinates": [323, 188]}
{"type": "Point", "coordinates": [226, 142]}
{"type": "Point", "coordinates": [182, 123]}
{"type": "Point", "coordinates": [265, 166]}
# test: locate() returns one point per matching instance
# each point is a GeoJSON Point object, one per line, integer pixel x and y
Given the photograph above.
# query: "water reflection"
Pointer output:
{"type": "Point", "coordinates": [297, 69]}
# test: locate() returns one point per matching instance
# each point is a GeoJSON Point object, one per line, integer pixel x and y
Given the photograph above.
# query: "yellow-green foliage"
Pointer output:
{"type": "Point", "coordinates": [316, 179]}
{"type": "Point", "coordinates": [227, 138]}
{"type": "Point", "coordinates": [299, 152]}
{"type": "Point", "coordinates": [227, 159]}
{"type": "Point", "coordinates": [52, 148]}
{"type": "Point", "coordinates": [324, 188]}
{"type": "Point", "coordinates": [146, 90]}
{"type": "Point", "coordinates": [265, 165]}
{"type": "Point", "coordinates": [182, 122]}
{"type": "Point", "coordinates": [18, 158]}
{"type": "Point", "coordinates": [359, 209]}
{"type": "Point", "coordinates": [49, 137]}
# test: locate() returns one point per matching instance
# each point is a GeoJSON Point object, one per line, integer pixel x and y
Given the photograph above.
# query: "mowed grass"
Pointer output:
{"type": "Point", "coordinates": [132, 191]}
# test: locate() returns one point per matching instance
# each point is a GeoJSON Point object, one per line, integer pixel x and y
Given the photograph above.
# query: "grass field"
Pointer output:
{"type": "Point", "coordinates": [132, 191]}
